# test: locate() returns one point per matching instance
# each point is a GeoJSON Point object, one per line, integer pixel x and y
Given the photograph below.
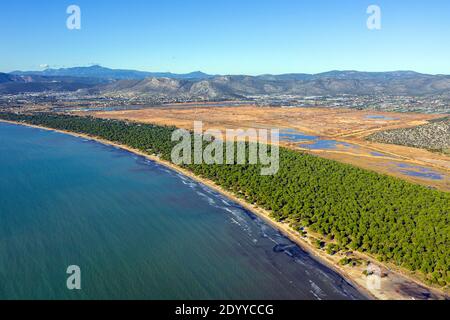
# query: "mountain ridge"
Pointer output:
{"type": "Point", "coordinates": [199, 85]}
{"type": "Point", "coordinates": [97, 71]}
{"type": "Point", "coordinates": [245, 86]}
{"type": "Point", "coordinates": [15, 84]}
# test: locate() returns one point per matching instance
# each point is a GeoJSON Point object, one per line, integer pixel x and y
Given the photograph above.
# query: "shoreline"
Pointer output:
{"type": "Point", "coordinates": [390, 286]}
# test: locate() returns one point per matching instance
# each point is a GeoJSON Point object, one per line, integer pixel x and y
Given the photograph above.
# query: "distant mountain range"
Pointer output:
{"type": "Point", "coordinates": [100, 72]}
{"type": "Point", "coordinates": [110, 74]}
{"type": "Point", "coordinates": [199, 85]}
{"type": "Point", "coordinates": [15, 84]}
{"type": "Point", "coordinates": [331, 83]}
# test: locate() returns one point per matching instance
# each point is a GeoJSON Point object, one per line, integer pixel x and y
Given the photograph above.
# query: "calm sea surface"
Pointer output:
{"type": "Point", "coordinates": [136, 230]}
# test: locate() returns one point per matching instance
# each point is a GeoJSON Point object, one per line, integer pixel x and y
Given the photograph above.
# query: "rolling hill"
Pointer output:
{"type": "Point", "coordinates": [100, 72]}
{"type": "Point", "coordinates": [244, 86]}
{"type": "Point", "coordinates": [198, 85]}
{"type": "Point", "coordinates": [15, 84]}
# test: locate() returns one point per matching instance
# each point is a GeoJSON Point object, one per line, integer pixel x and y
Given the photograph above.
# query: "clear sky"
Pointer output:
{"type": "Point", "coordinates": [227, 36]}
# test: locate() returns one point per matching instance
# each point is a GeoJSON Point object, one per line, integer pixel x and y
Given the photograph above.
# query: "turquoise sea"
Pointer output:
{"type": "Point", "coordinates": [136, 230]}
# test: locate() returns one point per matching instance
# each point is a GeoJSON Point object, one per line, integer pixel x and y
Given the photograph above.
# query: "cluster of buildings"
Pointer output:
{"type": "Point", "coordinates": [59, 101]}
{"type": "Point", "coordinates": [424, 104]}
{"type": "Point", "coordinates": [72, 100]}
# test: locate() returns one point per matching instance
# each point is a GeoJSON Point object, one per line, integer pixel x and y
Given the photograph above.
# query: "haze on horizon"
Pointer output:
{"type": "Point", "coordinates": [227, 37]}
{"type": "Point", "coordinates": [101, 67]}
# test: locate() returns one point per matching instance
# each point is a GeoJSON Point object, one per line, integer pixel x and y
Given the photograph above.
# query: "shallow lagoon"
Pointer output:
{"type": "Point", "coordinates": [418, 171]}
{"type": "Point", "coordinates": [292, 135]}
{"type": "Point", "coordinates": [380, 117]}
{"type": "Point", "coordinates": [328, 145]}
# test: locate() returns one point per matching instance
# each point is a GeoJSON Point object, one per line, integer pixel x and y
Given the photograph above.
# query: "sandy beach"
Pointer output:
{"type": "Point", "coordinates": [395, 284]}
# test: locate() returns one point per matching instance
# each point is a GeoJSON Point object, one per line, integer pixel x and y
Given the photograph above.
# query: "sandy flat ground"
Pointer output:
{"type": "Point", "coordinates": [345, 125]}
{"type": "Point", "coordinates": [322, 121]}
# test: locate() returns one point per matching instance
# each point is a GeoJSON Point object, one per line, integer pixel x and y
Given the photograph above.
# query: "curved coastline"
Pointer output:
{"type": "Point", "coordinates": [349, 274]}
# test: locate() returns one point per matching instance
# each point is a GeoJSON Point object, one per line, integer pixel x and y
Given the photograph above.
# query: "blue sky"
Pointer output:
{"type": "Point", "coordinates": [227, 36]}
